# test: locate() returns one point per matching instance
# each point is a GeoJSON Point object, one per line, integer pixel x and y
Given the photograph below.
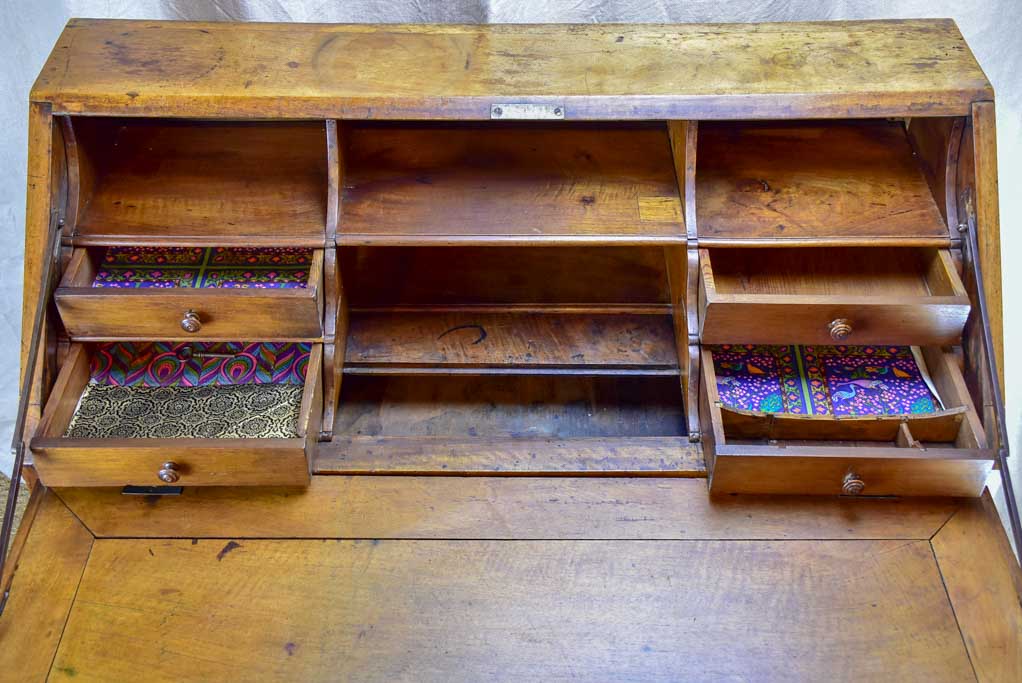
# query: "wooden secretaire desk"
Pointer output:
{"type": "Point", "coordinates": [510, 352]}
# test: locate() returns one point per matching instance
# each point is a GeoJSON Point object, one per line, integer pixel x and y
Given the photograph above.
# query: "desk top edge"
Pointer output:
{"type": "Point", "coordinates": [842, 69]}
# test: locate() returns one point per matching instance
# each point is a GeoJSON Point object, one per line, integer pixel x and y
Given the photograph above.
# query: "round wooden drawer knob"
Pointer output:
{"type": "Point", "coordinates": [168, 474]}
{"type": "Point", "coordinates": [852, 485]}
{"type": "Point", "coordinates": [840, 329]}
{"type": "Point", "coordinates": [190, 322]}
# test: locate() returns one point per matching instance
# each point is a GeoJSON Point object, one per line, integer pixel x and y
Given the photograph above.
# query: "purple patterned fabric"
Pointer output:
{"type": "Point", "coordinates": [219, 267]}
{"type": "Point", "coordinates": [822, 380]}
{"type": "Point", "coordinates": [165, 364]}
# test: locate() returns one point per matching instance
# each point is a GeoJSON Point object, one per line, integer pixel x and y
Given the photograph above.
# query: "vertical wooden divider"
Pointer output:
{"type": "Point", "coordinates": [682, 270]}
{"type": "Point", "coordinates": [335, 322]}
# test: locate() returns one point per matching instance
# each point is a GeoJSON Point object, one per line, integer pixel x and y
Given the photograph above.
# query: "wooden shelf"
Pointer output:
{"type": "Point", "coordinates": [401, 277]}
{"type": "Point", "coordinates": [176, 182]}
{"type": "Point", "coordinates": [417, 184]}
{"type": "Point", "coordinates": [466, 341]}
{"type": "Point", "coordinates": [601, 456]}
{"type": "Point", "coordinates": [516, 407]}
{"type": "Point", "coordinates": [851, 182]}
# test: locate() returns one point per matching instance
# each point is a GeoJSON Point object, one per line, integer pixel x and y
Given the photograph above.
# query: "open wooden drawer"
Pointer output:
{"type": "Point", "coordinates": [848, 295]}
{"type": "Point", "coordinates": [66, 451]}
{"type": "Point", "coordinates": [941, 453]}
{"type": "Point", "coordinates": [218, 293]}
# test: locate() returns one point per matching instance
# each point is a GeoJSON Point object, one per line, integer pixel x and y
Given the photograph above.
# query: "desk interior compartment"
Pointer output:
{"type": "Point", "coordinates": [168, 293]}
{"type": "Point", "coordinates": [826, 295]}
{"type": "Point", "coordinates": [506, 310]}
{"type": "Point", "coordinates": [508, 183]}
{"type": "Point", "coordinates": [812, 182]}
{"type": "Point", "coordinates": [160, 181]}
{"type": "Point", "coordinates": [192, 414]}
{"type": "Point", "coordinates": [822, 422]}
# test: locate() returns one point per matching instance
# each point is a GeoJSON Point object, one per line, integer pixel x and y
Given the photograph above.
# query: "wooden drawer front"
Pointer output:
{"type": "Point", "coordinates": [91, 313]}
{"type": "Point", "coordinates": [929, 474]}
{"type": "Point", "coordinates": [830, 296]}
{"type": "Point", "coordinates": [942, 453]}
{"type": "Point", "coordinates": [65, 461]}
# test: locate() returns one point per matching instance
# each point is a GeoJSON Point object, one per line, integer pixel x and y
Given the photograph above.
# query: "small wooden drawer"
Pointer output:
{"type": "Point", "coordinates": [75, 461]}
{"type": "Point", "coordinates": [839, 295]}
{"type": "Point", "coordinates": [942, 453]}
{"type": "Point", "coordinates": [187, 312]}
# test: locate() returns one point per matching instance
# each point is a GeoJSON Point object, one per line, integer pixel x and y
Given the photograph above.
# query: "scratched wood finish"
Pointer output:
{"type": "Point", "coordinates": [551, 406]}
{"type": "Point", "coordinates": [815, 181]}
{"type": "Point", "coordinates": [889, 296]}
{"type": "Point", "coordinates": [443, 610]}
{"type": "Point", "coordinates": [388, 342]}
{"type": "Point", "coordinates": [475, 277]}
{"type": "Point", "coordinates": [54, 550]}
{"type": "Point", "coordinates": [982, 579]}
{"type": "Point", "coordinates": [500, 508]}
{"type": "Point", "coordinates": [806, 70]}
{"type": "Point", "coordinates": [92, 313]}
{"type": "Point", "coordinates": [579, 456]}
{"type": "Point", "coordinates": [159, 181]}
{"type": "Point", "coordinates": [511, 183]}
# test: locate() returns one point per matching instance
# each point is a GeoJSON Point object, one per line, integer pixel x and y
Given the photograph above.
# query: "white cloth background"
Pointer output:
{"type": "Point", "coordinates": [30, 27]}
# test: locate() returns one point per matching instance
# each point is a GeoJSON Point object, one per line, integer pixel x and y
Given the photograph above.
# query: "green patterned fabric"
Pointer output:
{"type": "Point", "coordinates": [238, 411]}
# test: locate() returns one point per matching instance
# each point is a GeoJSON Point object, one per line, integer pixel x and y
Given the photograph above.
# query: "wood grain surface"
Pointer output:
{"type": "Point", "coordinates": [486, 610]}
{"type": "Point", "coordinates": [808, 70]}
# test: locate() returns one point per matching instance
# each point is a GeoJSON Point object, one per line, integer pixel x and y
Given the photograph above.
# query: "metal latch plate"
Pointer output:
{"type": "Point", "coordinates": [526, 112]}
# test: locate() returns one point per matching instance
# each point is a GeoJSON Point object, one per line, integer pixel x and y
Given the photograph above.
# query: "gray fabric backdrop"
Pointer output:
{"type": "Point", "coordinates": [993, 29]}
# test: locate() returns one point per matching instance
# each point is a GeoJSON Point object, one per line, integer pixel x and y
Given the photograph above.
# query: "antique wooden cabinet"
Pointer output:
{"type": "Point", "coordinates": [339, 281]}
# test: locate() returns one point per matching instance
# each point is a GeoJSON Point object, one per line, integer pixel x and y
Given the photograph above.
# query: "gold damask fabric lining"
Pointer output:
{"type": "Point", "coordinates": [265, 411]}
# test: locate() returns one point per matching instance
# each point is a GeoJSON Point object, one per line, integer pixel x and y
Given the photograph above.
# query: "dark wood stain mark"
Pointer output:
{"type": "Point", "coordinates": [588, 200]}
{"type": "Point", "coordinates": [231, 545]}
{"type": "Point", "coordinates": [290, 649]}
{"type": "Point", "coordinates": [479, 328]}
{"type": "Point", "coordinates": [293, 65]}
{"type": "Point", "coordinates": [151, 553]}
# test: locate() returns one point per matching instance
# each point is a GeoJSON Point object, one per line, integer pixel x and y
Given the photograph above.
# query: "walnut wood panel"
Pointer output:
{"type": "Point", "coordinates": [812, 181]}
{"type": "Point", "coordinates": [92, 313]}
{"type": "Point", "coordinates": [558, 406]}
{"type": "Point", "coordinates": [823, 471]}
{"type": "Point", "coordinates": [42, 192]}
{"type": "Point", "coordinates": [55, 547]}
{"type": "Point", "coordinates": [540, 277]}
{"type": "Point", "coordinates": [890, 296]}
{"type": "Point", "coordinates": [984, 184]}
{"type": "Point", "coordinates": [443, 610]}
{"type": "Point", "coordinates": [936, 142]}
{"type": "Point", "coordinates": [938, 427]}
{"type": "Point", "coordinates": [394, 342]}
{"type": "Point", "coordinates": [66, 461]}
{"type": "Point", "coordinates": [501, 507]}
{"type": "Point", "coordinates": [509, 183]}
{"type": "Point", "coordinates": [580, 456]}
{"type": "Point", "coordinates": [608, 71]}
{"type": "Point", "coordinates": [983, 580]}
{"type": "Point", "coordinates": [159, 181]}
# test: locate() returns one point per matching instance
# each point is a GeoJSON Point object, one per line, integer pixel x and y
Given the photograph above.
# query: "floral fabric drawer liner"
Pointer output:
{"type": "Point", "coordinates": [824, 380]}
{"type": "Point", "coordinates": [196, 267]}
{"type": "Point", "coordinates": [192, 364]}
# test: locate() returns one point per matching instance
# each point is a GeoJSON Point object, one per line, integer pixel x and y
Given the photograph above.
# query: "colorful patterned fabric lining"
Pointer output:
{"type": "Point", "coordinates": [265, 411]}
{"type": "Point", "coordinates": [162, 364]}
{"type": "Point", "coordinates": [822, 380]}
{"type": "Point", "coordinates": [221, 267]}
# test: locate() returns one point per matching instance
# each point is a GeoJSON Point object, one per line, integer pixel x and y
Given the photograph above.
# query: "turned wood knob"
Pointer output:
{"type": "Point", "coordinates": [190, 322]}
{"type": "Point", "coordinates": [839, 329]}
{"type": "Point", "coordinates": [852, 485]}
{"type": "Point", "coordinates": [168, 474]}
